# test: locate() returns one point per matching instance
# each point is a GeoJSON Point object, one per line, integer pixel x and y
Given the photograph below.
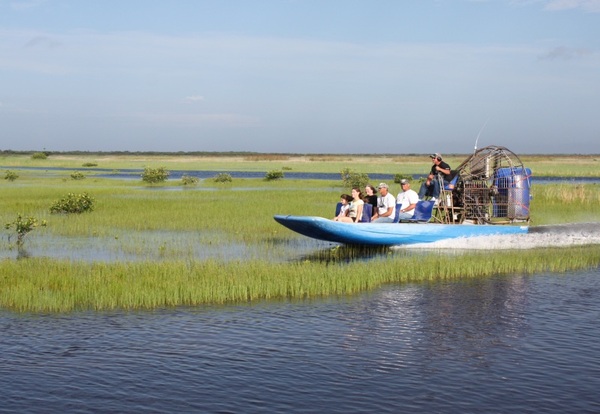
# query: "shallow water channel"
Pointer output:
{"type": "Point", "coordinates": [504, 344]}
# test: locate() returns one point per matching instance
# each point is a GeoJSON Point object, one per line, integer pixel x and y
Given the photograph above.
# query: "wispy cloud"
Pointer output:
{"type": "Point", "coordinates": [26, 4]}
{"type": "Point", "coordinates": [565, 53]}
{"type": "Point", "coordinates": [194, 98]}
{"type": "Point", "coordinates": [591, 6]}
{"type": "Point", "coordinates": [42, 41]}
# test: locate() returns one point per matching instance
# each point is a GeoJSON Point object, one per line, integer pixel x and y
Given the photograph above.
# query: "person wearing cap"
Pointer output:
{"type": "Point", "coordinates": [386, 206]}
{"type": "Point", "coordinates": [407, 200]}
{"type": "Point", "coordinates": [431, 187]}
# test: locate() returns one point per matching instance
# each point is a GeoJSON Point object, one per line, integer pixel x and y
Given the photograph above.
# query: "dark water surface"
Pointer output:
{"type": "Point", "coordinates": [505, 344]}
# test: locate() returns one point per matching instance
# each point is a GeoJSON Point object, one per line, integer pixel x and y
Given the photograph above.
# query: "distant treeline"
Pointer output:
{"type": "Point", "coordinates": [254, 154]}
{"type": "Point", "coordinates": [195, 153]}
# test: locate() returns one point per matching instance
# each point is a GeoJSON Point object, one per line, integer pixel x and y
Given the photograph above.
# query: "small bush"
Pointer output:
{"type": "Point", "coordinates": [274, 175]}
{"type": "Point", "coordinates": [189, 180]}
{"type": "Point", "coordinates": [155, 175]}
{"type": "Point", "coordinates": [223, 178]}
{"type": "Point", "coordinates": [76, 175]}
{"type": "Point", "coordinates": [39, 156]}
{"type": "Point", "coordinates": [89, 164]}
{"type": "Point", "coordinates": [400, 177]}
{"type": "Point", "coordinates": [353, 179]}
{"type": "Point", "coordinates": [11, 175]}
{"type": "Point", "coordinates": [73, 203]}
{"type": "Point", "coordinates": [23, 226]}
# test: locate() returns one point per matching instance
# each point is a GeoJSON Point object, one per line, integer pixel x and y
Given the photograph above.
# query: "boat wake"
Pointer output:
{"type": "Point", "coordinates": [563, 235]}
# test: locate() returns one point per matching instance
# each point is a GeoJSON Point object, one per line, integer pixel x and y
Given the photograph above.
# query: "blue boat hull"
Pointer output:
{"type": "Point", "coordinates": [387, 234]}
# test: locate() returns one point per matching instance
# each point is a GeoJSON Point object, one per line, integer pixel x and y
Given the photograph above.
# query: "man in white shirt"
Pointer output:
{"type": "Point", "coordinates": [386, 206]}
{"type": "Point", "coordinates": [408, 200]}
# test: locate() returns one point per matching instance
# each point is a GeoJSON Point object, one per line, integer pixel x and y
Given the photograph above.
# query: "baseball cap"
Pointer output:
{"type": "Point", "coordinates": [436, 155]}
{"type": "Point", "coordinates": [403, 181]}
{"type": "Point", "coordinates": [382, 185]}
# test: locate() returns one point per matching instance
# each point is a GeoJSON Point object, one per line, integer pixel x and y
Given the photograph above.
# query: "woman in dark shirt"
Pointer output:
{"type": "Point", "coordinates": [371, 197]}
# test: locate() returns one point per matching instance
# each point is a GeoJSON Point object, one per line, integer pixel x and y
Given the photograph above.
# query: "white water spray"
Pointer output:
{"type": "Point", "coordinates": [563, 235]}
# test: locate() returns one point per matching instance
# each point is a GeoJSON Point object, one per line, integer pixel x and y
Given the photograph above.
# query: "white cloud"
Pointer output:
{"type": "Point", "coordinates": [194, 98]}
{"type": "Point", "coordinates": [565, 53]}
{"type": "Point", "coordinates": [26, 4]}
{"type": "Point", "coordinates": [592, 6]}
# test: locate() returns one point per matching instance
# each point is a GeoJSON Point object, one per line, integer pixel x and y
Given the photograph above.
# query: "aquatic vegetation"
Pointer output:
{"type": "Point", "coordinates": [23, 226]}
{"type": "Point", "coordinates": [77, 175]}
{"type": "Point", "coordinates": [223, 178]}
{"type": "Point", "coordinates": [39, 156]}
{"type": "Point", "coordinates": [411, 164]}
{"type": "Point", "coordinates": [189, 180]}
{"type": "Point", "coordinates": [155, 175]}
{"type": "Point", "coordinates": [399, 177]}
{"type": "Point", "coordinates": [353, 179]}
{"type": "Point", "coordinates": [10, 175]}
{"type": "Point", "coordinates": [274, 175]}
{"type": "Point", "coordinates": [242, 214]}
{"type": "Point", "coordinates": [73, 203]}
{"type": "Point", "coordinates": [43, 285]}
{"type": "Point", "coordinates": [564, 203]}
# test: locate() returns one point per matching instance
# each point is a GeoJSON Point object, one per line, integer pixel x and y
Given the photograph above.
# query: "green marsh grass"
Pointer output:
{"type": "Point", "coordinates": [565, 203]}
{"type": "Point", "coordinates": [42, 285]}
{"type": "Point", "coordinates": [541, 165]}
{"type": "Point", "coordinates": [240, 212]}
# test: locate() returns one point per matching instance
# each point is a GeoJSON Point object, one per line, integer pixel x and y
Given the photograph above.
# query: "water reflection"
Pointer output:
{"type": "Point", "coordinates": [345, 254]}
{"type": "Point", "coordinates": [446, 347]}
{"type": "Point", "coordinates": [22, 253]}
{"type": "Point", "coordinates": [472, 317]}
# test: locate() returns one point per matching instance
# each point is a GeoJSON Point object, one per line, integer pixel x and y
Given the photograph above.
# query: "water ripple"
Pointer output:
{"type": "Point", "coordinates": [504, 344]}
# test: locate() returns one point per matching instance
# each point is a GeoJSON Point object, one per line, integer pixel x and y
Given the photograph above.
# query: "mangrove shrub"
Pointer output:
{"type": "Point", "coordinates": [223, 178]}
{"type": "Point", "coordinates": [11, 175]}
{"type": "Point", "coordinates": [274, 175]}
{"type": "Point", "coordinates": [73, 203]}
{"type": "Point", "coordinates": [189, 180]}
{"type": "Point", "coordinates": [39, 156]}
{"type": "Point", "coordinates": [155, 175]}
{"type": "Point", "coordinates": [353, 179]}
{"type": "Point", "coordinates": [77, 175]}
{"type": "Point", "coordinates": [23, 226]}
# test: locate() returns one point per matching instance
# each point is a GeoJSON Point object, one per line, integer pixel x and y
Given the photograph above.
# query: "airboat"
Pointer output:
{"type": "Point", "coordinates": [489, 194]}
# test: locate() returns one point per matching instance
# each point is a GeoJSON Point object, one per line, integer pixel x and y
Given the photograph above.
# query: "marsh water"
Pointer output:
{"type": "Point", "coordinates": [502, 344]}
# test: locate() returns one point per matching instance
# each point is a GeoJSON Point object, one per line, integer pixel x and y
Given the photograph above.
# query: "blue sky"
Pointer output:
{"type": "Point", "coordinates": [300, 76]}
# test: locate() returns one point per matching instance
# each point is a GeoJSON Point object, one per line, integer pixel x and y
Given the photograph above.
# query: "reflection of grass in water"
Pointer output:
{"type": "Point", "coordinates": [43, 285]}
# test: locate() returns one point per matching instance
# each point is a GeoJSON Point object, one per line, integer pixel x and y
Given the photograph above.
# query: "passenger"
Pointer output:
{"type": "Point", "coordinates": [356, 207]}
{"type": "Point", "coordinates": [345, 199]}
{"type": "Point", "coordinates": [407, 199]}
{"type": "Point", "coordinates": [431, 187]}
{"type": "Point", "coordinates": [386, 206]}
{"type": "Point", "coordinates": [371, 197]}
